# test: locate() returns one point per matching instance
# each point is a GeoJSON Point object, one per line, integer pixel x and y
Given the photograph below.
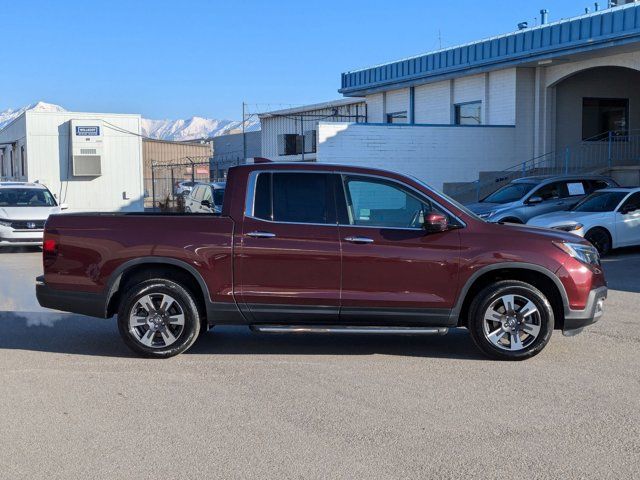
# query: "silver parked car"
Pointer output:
{"type": "Point", "coordinates": [205, 198]}
{"type": "Point", "coordinates": [24, 209]}
{"type": "Point", "coordinates": [529, 197]}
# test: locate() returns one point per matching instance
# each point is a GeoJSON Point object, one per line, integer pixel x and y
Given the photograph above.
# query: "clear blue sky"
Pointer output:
{"type": "Point", "coordinates": [175, 59]}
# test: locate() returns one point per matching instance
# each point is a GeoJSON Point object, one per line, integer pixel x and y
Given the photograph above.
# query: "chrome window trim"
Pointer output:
{"type": "Point", "coordinates": [251, 191]}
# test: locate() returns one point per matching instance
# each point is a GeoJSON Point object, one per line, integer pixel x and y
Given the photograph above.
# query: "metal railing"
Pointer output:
{"type": "Point", "coordinates": [604, 151]}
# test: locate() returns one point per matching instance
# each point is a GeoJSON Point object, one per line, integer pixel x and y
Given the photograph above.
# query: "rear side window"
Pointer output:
{"type": "Point", "coordinates": [577, 188]}
{"type": "Point", "coordinates": [597, 185]}
{"type": "Point", "coordinates": [295, 198]}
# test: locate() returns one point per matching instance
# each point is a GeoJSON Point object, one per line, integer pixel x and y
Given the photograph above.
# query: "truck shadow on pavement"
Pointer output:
{"type": "Point", "coordinates": [79, 335]}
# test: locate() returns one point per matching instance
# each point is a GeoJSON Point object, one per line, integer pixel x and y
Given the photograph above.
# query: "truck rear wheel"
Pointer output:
{"type": "Point", "coordinates": [158, 318]}
{"type": "Point", "coordinates": [511, 320]}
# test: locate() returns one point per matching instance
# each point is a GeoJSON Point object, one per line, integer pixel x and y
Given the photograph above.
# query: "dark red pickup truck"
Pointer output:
{"type": "Point", "coordinates": [322, 248]}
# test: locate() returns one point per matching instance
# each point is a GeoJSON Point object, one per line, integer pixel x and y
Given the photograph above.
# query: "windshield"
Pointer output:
{"type": "Point", "coordinates": [600, 202]}
{"type": "Point", "coordinates": [510, 193]}
{"type": "Point", "coordinates": [26, 197]}
{"type": "Point", "coordinates": [446, 197]}
{"type": "Point", "coordinates": [218, 196]}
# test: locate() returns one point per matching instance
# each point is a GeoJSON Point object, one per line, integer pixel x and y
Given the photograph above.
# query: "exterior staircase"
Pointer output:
{"type": "Point", "coordinates": [616, 154]}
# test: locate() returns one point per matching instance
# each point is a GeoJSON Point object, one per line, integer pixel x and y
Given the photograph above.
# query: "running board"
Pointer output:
{"type": "Point", "coordinates": [350, 329]}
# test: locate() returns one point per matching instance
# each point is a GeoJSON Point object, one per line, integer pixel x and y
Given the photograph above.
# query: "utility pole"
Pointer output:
{"type": "Point", "coordinates": [302, 135]}
{"type": "Point", "coordinates": [244, 135]}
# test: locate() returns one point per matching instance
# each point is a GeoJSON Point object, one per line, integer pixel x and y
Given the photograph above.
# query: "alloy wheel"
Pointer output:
{"type": "Point", "coordinates": [156, 320]}
{"type": "Point", "coordinates": [512, 322]}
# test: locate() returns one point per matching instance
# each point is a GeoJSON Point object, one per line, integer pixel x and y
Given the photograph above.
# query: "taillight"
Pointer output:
{"type": "Point", "coordinates": [49, 247]}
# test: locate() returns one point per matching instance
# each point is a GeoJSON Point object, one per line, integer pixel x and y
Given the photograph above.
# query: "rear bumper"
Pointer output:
{"type": "Point", "coordinates": [576, 320]}
{"type": "Point", "coordinates": [83, 303]}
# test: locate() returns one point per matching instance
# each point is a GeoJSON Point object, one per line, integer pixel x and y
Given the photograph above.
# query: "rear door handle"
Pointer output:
{"type": "Point", "coordinates": [359, 240]}
{"type": "Point", "coordinates": [261, 234]}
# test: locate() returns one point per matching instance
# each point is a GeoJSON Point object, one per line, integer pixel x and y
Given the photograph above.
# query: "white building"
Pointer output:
{"type": "Point", "coordinates": [291, 135]}
{"type": "Point", "coordinates": [89, 161]}
{"type": "Point", "coordinates": [547, 96]}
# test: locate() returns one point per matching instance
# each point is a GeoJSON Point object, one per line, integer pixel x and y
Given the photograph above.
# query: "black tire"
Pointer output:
{"type": "Point", "coordinates": [184, 305]}
{"type": "Point", "coordinates": [599, 238]}
{"type": "Point", "coordinates": [531, 345]}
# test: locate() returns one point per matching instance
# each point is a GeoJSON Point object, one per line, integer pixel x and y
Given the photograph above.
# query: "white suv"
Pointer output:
{"type": "Point", "coordinates": [24, 209]}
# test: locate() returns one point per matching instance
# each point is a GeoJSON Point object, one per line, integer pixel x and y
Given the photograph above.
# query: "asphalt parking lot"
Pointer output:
{"type": "Point", "coordinates": [75, 403]}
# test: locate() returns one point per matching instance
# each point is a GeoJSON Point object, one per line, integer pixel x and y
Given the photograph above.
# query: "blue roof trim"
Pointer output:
{"type": "Point", "coordinates": [588, 32]}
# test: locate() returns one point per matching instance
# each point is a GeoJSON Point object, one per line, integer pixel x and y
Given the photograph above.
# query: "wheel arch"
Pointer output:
{"type": "Point", "coordinates": [144, 266]}
{"type": "Point", "coordinates": [601, 227]}
{"type": "Point", "coordinates": [540, 277]}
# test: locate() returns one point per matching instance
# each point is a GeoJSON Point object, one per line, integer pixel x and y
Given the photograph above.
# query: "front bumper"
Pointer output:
{"type": "Point", "coordinates": [19, 238]}
{"type": "Point", "coordinates": [83, 303]}
{"type": "Point", "coordinates": [576, 320]}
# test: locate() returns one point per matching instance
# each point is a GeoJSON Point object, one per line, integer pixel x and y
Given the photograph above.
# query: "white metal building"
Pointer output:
{"type": "Point", "coordinates": [291, 135]}
{"type": "Point", "coordinates": [550, 93]}
{"type": "Point", "coordinates": [89, 161]}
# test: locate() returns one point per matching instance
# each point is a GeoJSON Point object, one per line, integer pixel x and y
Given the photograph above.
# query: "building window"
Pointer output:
{"type": "Point", "coordinates": [289, 144]}
{"type": "Point", "coordinates": [310, 141]}
{"type": "Point", "coordinates": [397, 117]}
{"type": "Point", "coordinates": [603, 115]}
{"type": "Point", "coordinates": [468, 113]}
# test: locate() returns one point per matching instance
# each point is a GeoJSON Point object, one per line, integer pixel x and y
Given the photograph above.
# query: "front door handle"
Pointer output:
{"type": "Point", "coordinates": [359, 240]}
{"type": "Point", "coordinates": [261, 234]}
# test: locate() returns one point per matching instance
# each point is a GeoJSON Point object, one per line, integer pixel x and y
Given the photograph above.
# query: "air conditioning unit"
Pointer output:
{"type": "Point", "coordinates": [87, 148]}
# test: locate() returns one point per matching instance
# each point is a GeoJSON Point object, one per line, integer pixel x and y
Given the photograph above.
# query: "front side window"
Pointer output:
{"type": "Point", "coordinates": [552, 191]}
{"type": "Point", "coordinates": [218, 196]}
{"type": "Point", "coordinates": [206, 194]}
{"type": "Point", "coordinates": [468, 113]}
{"type": "Point", "coordinates": [510, 193]}
{"type": "Point", "coordinates": [378, 203]}
{"type": "Point", "coordinates": [632, 204]}
{"type": "Point", "coordinates": [26, 197]}
{"type": "Point", "coordinates": [294, 198]}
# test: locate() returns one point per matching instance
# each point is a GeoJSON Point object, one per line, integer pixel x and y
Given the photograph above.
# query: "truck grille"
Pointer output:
{"type": "Point", "coordinates": [29, 225]}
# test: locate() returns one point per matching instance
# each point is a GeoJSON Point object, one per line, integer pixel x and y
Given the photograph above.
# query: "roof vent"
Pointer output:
{"type": "Point", "coordinates": [544, 16]}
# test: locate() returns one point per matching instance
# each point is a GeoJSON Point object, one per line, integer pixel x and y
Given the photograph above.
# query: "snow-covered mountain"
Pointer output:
{"type": "Point", "coordinates": [192, 128]}
{"type": "Point", "coordinates": [9, 115]}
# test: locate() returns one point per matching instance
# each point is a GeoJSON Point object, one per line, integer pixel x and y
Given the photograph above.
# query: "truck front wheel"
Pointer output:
{"type": "Point", "coordinates": [511, 320]}
{"type": "Point", "coordinates": [158, 318]}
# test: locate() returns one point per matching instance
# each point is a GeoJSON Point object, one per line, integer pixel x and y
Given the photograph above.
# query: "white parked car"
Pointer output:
{"type": "Point", "coordinates": [24, 209]}
{"type": "Point", "coordinates": [184, 188]}
{"type": "Point", "coordinates": [607, 218]}
{"type": "Point", "coordinates": [205, 198]}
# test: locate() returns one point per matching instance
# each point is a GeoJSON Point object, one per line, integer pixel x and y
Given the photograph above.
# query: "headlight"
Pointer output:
{"type": "Point", "coordinates": [485, 215]}
{"type": "Point", "coordinates": [5, 223]}
{"type": "Point", "coordinates": [569, 228]}
{"type": "Point", "coordinates": [584, 253]}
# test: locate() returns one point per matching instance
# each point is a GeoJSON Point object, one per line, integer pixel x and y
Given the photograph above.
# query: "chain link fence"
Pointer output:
{"type": "Point", "coordinates": [170, 181]}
